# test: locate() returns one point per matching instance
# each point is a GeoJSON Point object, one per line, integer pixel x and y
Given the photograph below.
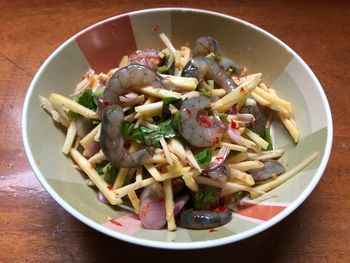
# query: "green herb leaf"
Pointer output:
{"type": "Point", "coordinates": [204, 92]}
{"type": "Point", "coordinates": [205, 199]}
{"type": "Point", "coordinates": [268, 139]}
{"type": "Point", "coordinates": [87, 100]}
{"type": "Point", "coordinates": [167, 129]}
{"type": "Point", "coordinates": [127, 129]}
{"type": "Point", "coordinates": [238, 195]}
{"type": "Point", "coordinates": [165, 108]}
{"type": "Point", "coordinates": [99, 168]}
{"type": "Point", "coordinates": [151, 136]}
{"type": "Point", "coordinates": [138, 136]}
{"type": "Point", "coordinates": [110, 173]}
{"type": "Point", "coordinates": [99, 92]}
{"type": "Point", "coordinates": [175, 121]}
{"type": "Point", "coordinates": [204, 157]}
{"type": "Point", "coordinates": [169, 100]}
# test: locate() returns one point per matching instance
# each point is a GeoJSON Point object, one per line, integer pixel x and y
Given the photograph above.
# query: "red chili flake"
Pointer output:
{"type": "Point", "coordinates": [220, 209]}
{"type": "Point", "coordinates": [189, 112]}
{"type": "Point", "coordinates": [110, 187]}
{"type": "Point", "coordinates": [234, 125]}
{"type": "Point", "coordinates": [156, 28]}
{"type": "Point", "coordinates": [212, 230]}
{"type": "Point", "coordinates": [242, 89]}
{"type": "Point", "coordinates": [115, 222]}
{"type": "Point", "coordinates": [219, 158]}
{"type": "Point", "coordinates": [205, 121]}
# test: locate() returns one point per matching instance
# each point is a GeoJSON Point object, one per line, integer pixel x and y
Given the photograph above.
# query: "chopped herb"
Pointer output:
{"type": "Point", "coordinates": [167, 64]}
{"type": "Point", "coordinates": [165, 109]}
{"type": "Point", "coordinates": [204, 92]}
{"type": "Point", "coordinates": [267, 137]}
{"type": "Point", "coordinates": [167, 129]}
{"type": "Point", "coordinates": [127, 129]}
{"type": "Point", "coordinates": [204, 157]}
{"type": "Point", "coordinates": [138, 136]}
{"type": "Point", "coordinates": [170, 100]}
{"type": "Point", "coordinates": [110, 173]}
{"type": "Point", "coordinates": [205, 198]}
{"type": "Point", "coordinates": [99, 92]}
{"type": "Point", "coordinates": [87, 100]}
{"type": "Point", "coordinates": [175, 121]}
{"type": "Point", "coordinates": [238, 195]}
{"type": "Point", "coordinates": [99, 168]}
{"type": "Point", "coordinates": [152, 136]}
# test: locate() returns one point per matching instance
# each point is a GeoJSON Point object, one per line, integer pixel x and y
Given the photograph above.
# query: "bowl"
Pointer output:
{"type": "Point", "coordinates": [101, 47]}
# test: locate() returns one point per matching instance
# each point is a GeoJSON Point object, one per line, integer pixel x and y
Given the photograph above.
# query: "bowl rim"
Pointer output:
{"type": "Point", "coordinates": [180, 245]}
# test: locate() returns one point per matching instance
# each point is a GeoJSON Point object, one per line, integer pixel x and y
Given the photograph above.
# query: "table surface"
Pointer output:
{"type": "Point", "coordinates": [34, 228]}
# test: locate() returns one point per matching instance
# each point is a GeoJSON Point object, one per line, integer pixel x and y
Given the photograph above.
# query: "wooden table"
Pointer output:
{"type": "Point", "coordinates": [34, 228]}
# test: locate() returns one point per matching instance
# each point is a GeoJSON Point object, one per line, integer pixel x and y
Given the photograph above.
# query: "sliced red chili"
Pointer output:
{"type": "Point", "coordinates": [110, 187]}
{"type": "Point", "coordinates": [115, 222]}
{"type": "Point", "coordinates": [205, 121]}
{"type": "Point", "coordinates": [220, 209]}
{"type": "Point", "coordinates": [234, 125]}
{"type": "Point", "coordinates": [189, 112]}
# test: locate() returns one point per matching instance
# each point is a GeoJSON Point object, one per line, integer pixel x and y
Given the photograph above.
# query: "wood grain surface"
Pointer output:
{"type": "Point", "coordinates": [34, 228]}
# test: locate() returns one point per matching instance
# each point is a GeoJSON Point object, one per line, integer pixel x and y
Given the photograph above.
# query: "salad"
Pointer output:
{"type": "Point", "coordinates": [177, 136]}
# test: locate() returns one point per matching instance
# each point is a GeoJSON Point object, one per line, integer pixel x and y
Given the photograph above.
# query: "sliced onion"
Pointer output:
{"type": "Point", "coordinates": [218, 120]}
{"type": "Point", "coordinates": [234, 134]}
{"type": "Point", "coordinates": [244, 117]}
{"type": "Point", "coordinates": [232, 110]}
{"type": "Point", "coordinates": [152, 213]}
{"type": "Point", "coordinates": [87, 77]}
{"type": "Point", "coordinates": [179, 203]}
{"type": "Point", "coordinates": [219, 160]}
{"type": "Point", "coordinates": [98, 86]}
{"type": "Point", "coordinates": [129, 97]}
{"type": "Point", "coordinates": [102, 198]}
{"type": "Point", "coordinates": [92, 149]}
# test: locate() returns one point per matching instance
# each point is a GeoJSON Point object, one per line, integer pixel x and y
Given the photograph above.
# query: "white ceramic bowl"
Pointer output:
{"type": "Point", "coordinates": [102, 45]}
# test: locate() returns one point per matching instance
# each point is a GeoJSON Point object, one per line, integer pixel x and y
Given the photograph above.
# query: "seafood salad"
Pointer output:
{"type": "Point", "coordinates": [177, 136]}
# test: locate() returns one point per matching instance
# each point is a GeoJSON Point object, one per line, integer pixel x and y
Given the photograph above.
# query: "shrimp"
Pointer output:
{"type": "Point", "coordinates": [204, 219]}
{"type": "Point", "coordinates": [196, 127]}
{"type": "Point", "coordinates": [271, 167]}
{"type": "Point", "coordinates": [203, 46]}
{"type": "Point", "coordinates": [131, 76]}
{"type": "Point", "coordinates": [203, 67]}
{"type": "Point", "coordinates": [206, 45]}
{"type": "Point", "coordinates": [112, 142]}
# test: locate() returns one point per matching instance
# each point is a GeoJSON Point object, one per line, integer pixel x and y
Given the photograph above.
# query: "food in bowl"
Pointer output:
{"type": "Point", "coordinates": [177, 136]}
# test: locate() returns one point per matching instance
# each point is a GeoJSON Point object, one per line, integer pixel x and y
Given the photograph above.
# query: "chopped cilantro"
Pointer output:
{"type": "Point", "coordinates": [204, 157]}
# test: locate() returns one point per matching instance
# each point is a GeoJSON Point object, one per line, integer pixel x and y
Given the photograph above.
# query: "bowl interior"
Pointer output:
{"type": "Point", "coordinates": [101, 48]}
